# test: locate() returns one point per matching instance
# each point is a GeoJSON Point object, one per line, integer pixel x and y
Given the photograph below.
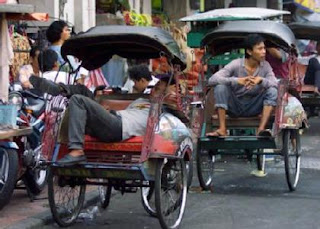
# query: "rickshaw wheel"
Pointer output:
{"type": "Point", "coordinates": [292, 155]}
{"type": "Point", "coordinates": [148, 200]}
{"type": "Point", "coordinates": [170, 192]}
{"type": "Point", "coordinates": [189, 168]}
{"type": "Point", "coordinates": [66, 197]}
{"type": "Point", "coordinates": [205, 165]}
{"type": "Point", "coordinates": [104, 194]}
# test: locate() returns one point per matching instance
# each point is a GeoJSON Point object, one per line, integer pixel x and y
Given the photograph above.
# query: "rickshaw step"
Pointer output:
{"type": "Point", "coordinates": [95, 170]}
{"type": "Point", "coordinates": [237, 142]}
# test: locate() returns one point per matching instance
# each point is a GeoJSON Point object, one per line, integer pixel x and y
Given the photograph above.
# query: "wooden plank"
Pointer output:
{"type": "Point", "coordinates": [5, 134]}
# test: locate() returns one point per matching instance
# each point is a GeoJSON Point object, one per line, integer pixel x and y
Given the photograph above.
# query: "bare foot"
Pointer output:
{"type": "Point", "coordinates": [217, 133]}
{"type": "Point", "coordinates": [76, 152]}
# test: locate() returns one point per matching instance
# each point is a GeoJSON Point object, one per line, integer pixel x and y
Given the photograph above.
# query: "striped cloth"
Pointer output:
{"type": "Point", "coordinates": [96, 78]}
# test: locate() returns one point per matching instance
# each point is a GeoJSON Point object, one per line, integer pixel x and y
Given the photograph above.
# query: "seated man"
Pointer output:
{"type": "Point", "coordinates": [313, 71]}
{"type": "Point", "coordinates": [49, 66]}
{"type": "Point", "coordinates": [89, 117]}
{"type": "Point", "coordinates": [245, 87]}
{"type": "Point", "coordinates": [141, 78]}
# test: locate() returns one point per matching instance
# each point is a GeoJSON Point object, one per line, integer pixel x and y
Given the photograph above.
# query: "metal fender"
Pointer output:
{"type": "Point", "coordinates": [183, 151]}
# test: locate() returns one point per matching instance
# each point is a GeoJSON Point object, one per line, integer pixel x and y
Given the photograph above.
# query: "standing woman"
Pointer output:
{"type": "Point", "coordinates": [57, 33]}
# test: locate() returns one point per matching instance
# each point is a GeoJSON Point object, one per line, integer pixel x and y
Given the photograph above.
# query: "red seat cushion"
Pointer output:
{"type": "Point", "coordinates": [308, 88]}
{"type": "Point", "coordinates": [132, 144]}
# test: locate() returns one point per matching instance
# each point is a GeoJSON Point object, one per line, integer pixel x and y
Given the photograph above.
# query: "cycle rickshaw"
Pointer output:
{"type": "Point", "coordinates": [155, 162]}
{"type": "Point", "coordinates": [310, 31]}
{"type": "Point", "coordinates": [242, 139]}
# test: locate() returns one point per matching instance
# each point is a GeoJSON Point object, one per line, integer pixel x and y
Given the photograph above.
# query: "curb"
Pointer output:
{"type": "Point", "coordinates": [45, 217]}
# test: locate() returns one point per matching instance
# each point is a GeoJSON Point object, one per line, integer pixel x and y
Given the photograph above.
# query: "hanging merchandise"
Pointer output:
{"type": "Point", "coordinates": [6, 56]}
{"type": "Point", "coordinates": [136, 19]}
{"type": "Point", "coordinates": [21, 49]}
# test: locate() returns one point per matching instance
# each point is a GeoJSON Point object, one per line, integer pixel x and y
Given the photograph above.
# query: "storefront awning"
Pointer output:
{"type": "Point", "coordinates": [28, 16]}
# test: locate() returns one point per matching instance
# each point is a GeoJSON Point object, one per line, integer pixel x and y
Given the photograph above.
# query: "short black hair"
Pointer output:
{"type": "Point", "coordinates": [33, 51]}
{"type": "Point", "coordinates": [138, 72]}
{"type": "Point", "coordinates": [47, 60]}
{"type": "Point", "coordinates": [252, 40]}
{"type": "Point", "coordinates": [55, 29]}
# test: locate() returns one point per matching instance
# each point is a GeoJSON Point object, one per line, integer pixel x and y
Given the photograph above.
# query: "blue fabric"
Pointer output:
{"type": "Point", "coordinates": [57, 49]}
{"type": "Point", "coordinates": [114, 71]}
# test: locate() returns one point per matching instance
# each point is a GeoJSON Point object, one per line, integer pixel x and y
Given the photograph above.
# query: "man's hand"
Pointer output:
{"type": "Point", "coordinates": [249, 81]}
{"type": "Point", "coordinates": [243, 80]}
{"type": "Point", "coordinates": [254, 80]}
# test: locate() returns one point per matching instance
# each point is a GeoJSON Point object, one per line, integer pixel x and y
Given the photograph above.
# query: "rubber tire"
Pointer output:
{"type": "Point", "coordinates": [7, 190]}
{"type": "Point", "coordinates": [33, 186]}
{"type": "Point", "coordinates": [205, 184]}
{"type": "Point", "coordinates": [52, 205]}
{"type": "Point", "coordinates": [291, 181]}
{"type": "Point", "coordinates": [189, 173]}
{"type": "Point", "coordinates": [159, 169]}
{"type": "Point", "coordinates": [151, 212]}
{"type": "Point", "coordinates": [105, 203]}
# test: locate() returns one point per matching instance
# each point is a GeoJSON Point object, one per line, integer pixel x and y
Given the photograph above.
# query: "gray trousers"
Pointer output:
{"type": "Point", "coordinates": [86, 116]}
{"type": "Point", "coordinates": [243, 106]}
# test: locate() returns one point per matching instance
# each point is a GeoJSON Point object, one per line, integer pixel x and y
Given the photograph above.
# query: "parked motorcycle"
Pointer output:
{"type": "Point", "coordinates": [21, 156]}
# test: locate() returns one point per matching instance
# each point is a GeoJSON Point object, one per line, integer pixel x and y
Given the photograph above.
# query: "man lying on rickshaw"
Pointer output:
{"type": "Point", "coordinates": [245, 87]}
{"type": "Point", "coordinates": [86, 116]}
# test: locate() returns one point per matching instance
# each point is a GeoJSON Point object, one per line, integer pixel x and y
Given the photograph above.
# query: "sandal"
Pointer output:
{"type": "Point", "coordinates": [215, 133]}
{"type": "Point", "coordinates": [71, 160]}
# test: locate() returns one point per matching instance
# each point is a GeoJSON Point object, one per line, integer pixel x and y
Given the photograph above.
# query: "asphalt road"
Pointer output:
{"type": "Point", "coordinates": [238, 200]}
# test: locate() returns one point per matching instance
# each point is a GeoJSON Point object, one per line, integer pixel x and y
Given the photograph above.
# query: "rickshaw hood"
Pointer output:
{"type": "Point", "coordinates": [97, 45]}
{"type": "Point", "coordinates": [230, 35]}
{"type": "Point", "coordinates": [309, 30]}
{"type": "Point", "coordinates": [235, 13]}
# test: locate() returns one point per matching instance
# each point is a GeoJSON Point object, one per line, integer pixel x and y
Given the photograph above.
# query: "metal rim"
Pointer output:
{"type": "Point", "coordinates": [292, 157]}
{"type": "Point", "coordinates": [148, 200]}
{"type": "Point", "coordinates": [66, 198]}
{"type": "Point", "coordinates": [171, 193]}
{"type": "Point", "coordinates": [205, 168]}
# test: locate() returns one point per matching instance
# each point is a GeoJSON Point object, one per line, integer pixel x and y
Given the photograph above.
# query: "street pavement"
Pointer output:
{"type": "Point", "coordinates": [238, 200]}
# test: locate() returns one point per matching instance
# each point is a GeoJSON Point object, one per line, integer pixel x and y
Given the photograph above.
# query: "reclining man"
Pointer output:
{"type": "Point", "coordinates": [245, 87]}
{"type": "Point", "coordinates": [89, 117]}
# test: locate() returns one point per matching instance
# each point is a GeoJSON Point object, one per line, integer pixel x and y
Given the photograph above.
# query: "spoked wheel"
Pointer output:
{"type": "Point", "coordinates": [170, 192]}
{"type": "Point", "coordinates": [292, 155]}
{"type": "Point", "coordinates": [66, 196]}
{"type": "Point", "coordinates": [104, 194]}
{"type": "Point", "coordinates": [205, 165]}
{"type": "Point", "coordinates": [148, 200]}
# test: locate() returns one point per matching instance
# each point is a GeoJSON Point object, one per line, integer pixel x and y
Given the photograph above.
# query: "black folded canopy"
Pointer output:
{"type": "Point", "coordinates": [97, 45]}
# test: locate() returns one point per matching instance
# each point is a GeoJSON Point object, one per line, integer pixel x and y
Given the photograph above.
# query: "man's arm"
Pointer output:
{"type": "Point", "coordinates": [225, 75]}
{"type": "Point", "coordinates": [269, 80]}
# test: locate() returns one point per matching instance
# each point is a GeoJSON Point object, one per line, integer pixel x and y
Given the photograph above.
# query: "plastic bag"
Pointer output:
{"type": "Point", "coordinates": [294, 113]}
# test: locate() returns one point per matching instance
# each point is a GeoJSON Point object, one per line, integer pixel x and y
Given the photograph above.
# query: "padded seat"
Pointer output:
{"type": "Point", "coordinates": [307, 88]}
{"type": "Point", "coordinates": [133, 144]}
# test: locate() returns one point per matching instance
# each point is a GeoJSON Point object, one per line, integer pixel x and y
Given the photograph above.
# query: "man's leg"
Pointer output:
{"type": "Point", "coordinates": [269, 102]}
{"type": "Point", "coordinates": [221, 95]}
{"type": "Point", "coordinates": [87, 116]}
{"type": "Point", "coordinates": [266, 113]}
